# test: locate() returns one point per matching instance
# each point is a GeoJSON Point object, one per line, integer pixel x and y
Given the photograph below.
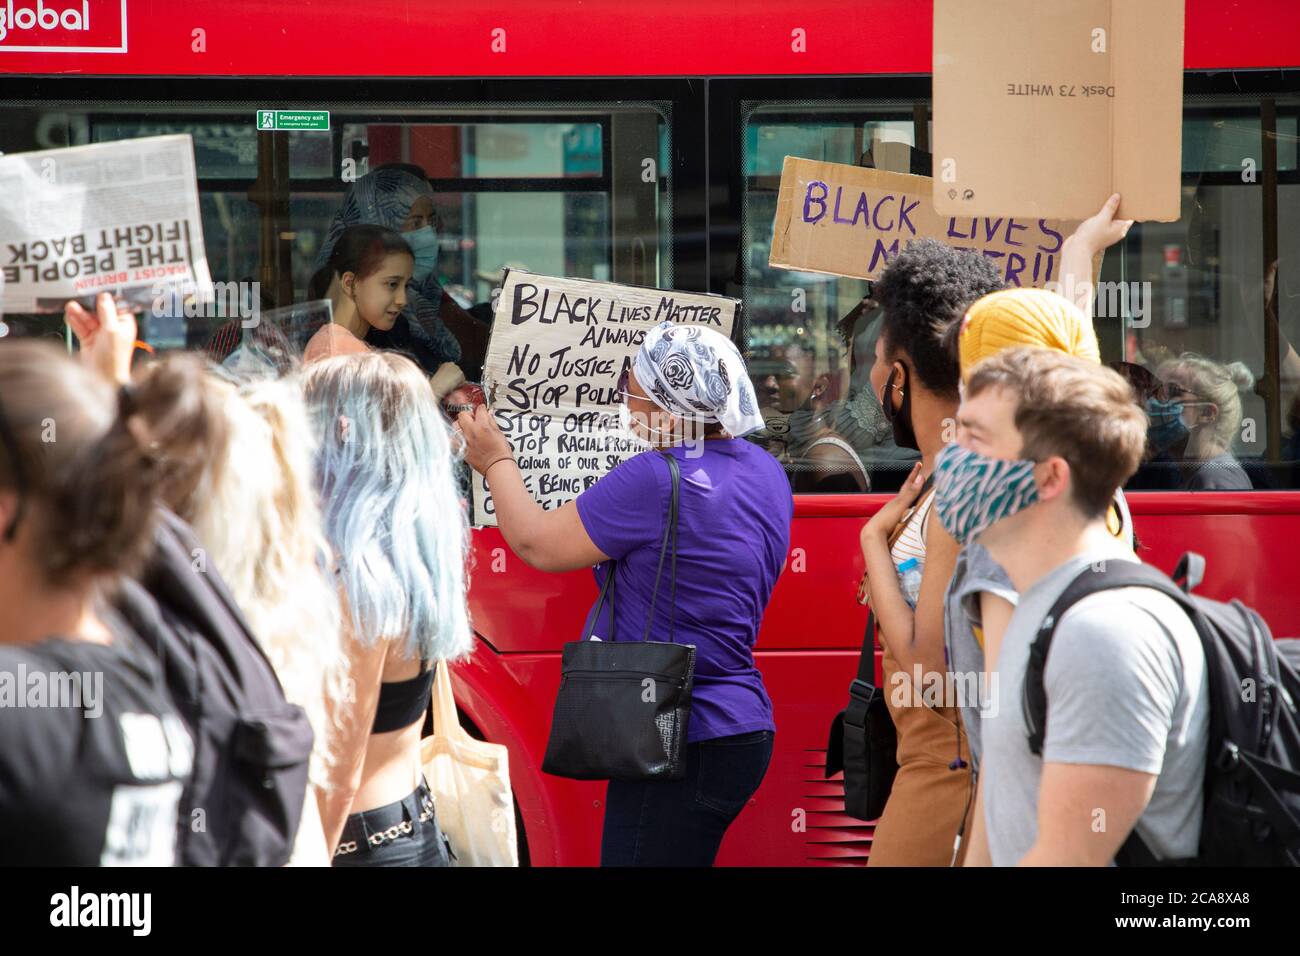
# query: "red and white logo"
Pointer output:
{"type": "Point", "coordinates": [63, 26]}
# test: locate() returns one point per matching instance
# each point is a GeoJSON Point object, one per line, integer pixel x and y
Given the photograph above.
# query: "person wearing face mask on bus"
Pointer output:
{"type": "Point", "coordinates": [733, 535]}
{"type": "Point", "coordinates": [1197, 411]}
{"type": "Point", "coordinates": [431, 327]}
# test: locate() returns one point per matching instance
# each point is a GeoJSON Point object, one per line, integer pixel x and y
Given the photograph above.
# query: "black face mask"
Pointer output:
{"type": "Point", "coordinates": [900, 419]}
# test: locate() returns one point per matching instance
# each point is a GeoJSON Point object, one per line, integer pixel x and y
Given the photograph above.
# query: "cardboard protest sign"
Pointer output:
{"type": "Point", "coordinates": [121, 217]}
{"type": "Point", "coordinates": [1046, 109]}
{"type": "Point", "coordinates": [850, 221]}
{"type": "Point", "coordinates": [557, 350]}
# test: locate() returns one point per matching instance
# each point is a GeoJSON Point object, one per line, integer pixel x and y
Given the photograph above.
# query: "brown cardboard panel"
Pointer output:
{"type": "Point", "coordinates": [1033, 118]}
{"type": "Point", "coordinates": [850, 221]}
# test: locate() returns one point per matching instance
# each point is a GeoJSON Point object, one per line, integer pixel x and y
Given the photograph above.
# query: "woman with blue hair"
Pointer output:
{"type": "Point", "coordinates": [432, 327]}
{"type": "Point", "coordinates": [686, 394]}
{"type": "Point", "coordinates": [393, 517]}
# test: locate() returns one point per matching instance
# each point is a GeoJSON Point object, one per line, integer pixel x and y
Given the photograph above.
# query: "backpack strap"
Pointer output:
{"type": "Point", "coordinates": [1103, 576]}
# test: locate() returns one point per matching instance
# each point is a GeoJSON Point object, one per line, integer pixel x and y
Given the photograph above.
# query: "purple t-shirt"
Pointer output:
{"type": "Point", "coordinates": [732, 536]}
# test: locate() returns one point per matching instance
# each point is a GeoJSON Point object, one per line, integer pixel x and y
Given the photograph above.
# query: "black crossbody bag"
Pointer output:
{"type": "Point", "coordinates": [863, 741]}
{"type": "Point", "coordinates": [623, 706]}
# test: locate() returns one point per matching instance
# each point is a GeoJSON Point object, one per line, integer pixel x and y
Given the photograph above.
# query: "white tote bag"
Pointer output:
{"type": "Point", "coordinates": [470, 780]}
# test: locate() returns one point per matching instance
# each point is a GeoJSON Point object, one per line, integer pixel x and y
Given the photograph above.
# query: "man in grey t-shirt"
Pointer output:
{"type": "Point", "coordinates": [1043, 442]}
{"type": "Point", "coordinates": [1126, 689]}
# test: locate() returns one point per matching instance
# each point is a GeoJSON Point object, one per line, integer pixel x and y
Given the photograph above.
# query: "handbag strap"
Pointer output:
{"type": "Point", "coordinates": [867, 659]}
{"type": "Point", "coordinates": [600, 603]}
{"type": "Point", "coordinates": [670, 532]}
{"type": "Point", "coordinates": [669, 540]}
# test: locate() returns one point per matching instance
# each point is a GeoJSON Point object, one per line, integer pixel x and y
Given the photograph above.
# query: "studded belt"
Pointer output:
{"type": "Point", "coordinates": [379, 836]}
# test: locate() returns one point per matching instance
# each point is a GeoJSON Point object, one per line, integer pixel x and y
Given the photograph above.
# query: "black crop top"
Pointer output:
{"type": "Point", "coordinates": [403, 702]}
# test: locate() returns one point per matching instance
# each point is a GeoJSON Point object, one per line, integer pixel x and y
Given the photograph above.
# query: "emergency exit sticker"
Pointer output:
{"type": "Point", "coordinates": [293, 119]}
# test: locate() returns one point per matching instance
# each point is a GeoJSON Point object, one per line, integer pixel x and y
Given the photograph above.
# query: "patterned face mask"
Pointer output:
{"type": "Point", "coordinates": [972, 492]}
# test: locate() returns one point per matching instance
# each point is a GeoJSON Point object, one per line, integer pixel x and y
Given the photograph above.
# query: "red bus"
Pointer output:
{"type": "Point", "coordinates": [643, 143]}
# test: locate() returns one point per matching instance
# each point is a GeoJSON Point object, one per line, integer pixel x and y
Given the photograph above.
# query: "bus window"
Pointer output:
{"type": "Point", "coordinates": [573, 189]}
{"type": "Point", "coordinates": [1187, 310]}
{"type": "Point", "coordinates": [1197, 304]}
{"type": "Point", "coordinates": [811, 337]}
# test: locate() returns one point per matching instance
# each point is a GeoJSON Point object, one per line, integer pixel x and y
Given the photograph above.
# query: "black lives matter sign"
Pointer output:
{"type": "Point", "coordinates": [551, 376]}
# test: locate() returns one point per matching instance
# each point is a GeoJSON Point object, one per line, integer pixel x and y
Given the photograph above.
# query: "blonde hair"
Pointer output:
{"type": "Point", "coordinates": [1213, 382]}
{"type": "Point", "coordinates": [261, 524]}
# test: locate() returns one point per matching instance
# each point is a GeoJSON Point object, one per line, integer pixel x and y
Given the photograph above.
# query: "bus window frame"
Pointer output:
{"type": "Point", "coordinates": [687, 246]}
{"type": "Point", "coordinates": [729, 98]}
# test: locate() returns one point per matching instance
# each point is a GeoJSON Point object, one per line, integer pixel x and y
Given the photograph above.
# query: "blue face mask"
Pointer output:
{"type": "Point", "coordinates": [1166, 426]}
{"type": "Point", "coordinates": [972, 492]}
{"type": "Point", "coordinates": [424, 246]}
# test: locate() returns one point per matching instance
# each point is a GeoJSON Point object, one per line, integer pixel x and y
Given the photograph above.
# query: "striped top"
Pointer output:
{"type": "Point", "coordinates": [911, 543]}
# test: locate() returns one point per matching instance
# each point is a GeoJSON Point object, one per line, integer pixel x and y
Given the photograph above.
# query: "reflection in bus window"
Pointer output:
{"type": "Point", "coordinates": [575, 189]}
{"type": "Point", "coordinates": [1198, 292]}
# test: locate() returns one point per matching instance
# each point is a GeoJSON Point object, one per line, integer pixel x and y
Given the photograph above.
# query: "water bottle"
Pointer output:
{"type": "Point", "coordinates": [909, 580]}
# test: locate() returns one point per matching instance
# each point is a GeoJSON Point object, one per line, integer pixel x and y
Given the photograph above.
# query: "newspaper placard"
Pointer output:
{"type": "Point", "coordinates": [850, 221]}
{"type": "Point", "coordinates": [121, 217]}
{"type": "Point", "coordinates": [557, 350]}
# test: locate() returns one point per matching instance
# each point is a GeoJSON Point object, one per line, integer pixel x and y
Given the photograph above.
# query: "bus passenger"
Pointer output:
{"type": "Point", "coordinates": [366, 280]}
{"type": "Point", "coordinates": [431, 326]}
{"type": "Point", "coordinates": [1200, 406]}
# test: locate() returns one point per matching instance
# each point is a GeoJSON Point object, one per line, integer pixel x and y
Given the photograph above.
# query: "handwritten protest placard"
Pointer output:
{"type": "Point", "coordinates": [557, 350]}
{"type": "Point", "coordinates": [120, 217]}
{"type": "Point", "coordinates": [850, 221]}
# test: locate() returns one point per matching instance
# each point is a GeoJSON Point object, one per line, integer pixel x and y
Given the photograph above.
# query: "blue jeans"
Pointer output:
{"type": "Point", "coordinates": [682, 822]}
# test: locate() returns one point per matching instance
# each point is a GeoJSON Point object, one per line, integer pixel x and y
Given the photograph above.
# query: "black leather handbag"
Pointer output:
{"type": "Point", "coordinates": [623, 706]}
{"type": "Point", "coordinates": [863, 740]}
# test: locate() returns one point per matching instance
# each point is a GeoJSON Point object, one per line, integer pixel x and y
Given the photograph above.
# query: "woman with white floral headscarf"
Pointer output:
{"type": "Point", "coordinates": [432, 327]}
{"type": "Point", "coordinates": [686, 393]}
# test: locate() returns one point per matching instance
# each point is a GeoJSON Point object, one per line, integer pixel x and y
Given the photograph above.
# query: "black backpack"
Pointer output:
{"type": "Point", "coordinates": [244, 801]}
{"type": "Point", "coordinates": [1252, 787]}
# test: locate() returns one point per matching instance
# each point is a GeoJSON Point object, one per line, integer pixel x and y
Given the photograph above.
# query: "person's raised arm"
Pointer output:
{"type": "Point", "coordinates": [107, 338]}
{"type": "Point", "coordinates": [1095, 234]}
{"type": "Point", "coordinates": [546, 540]}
